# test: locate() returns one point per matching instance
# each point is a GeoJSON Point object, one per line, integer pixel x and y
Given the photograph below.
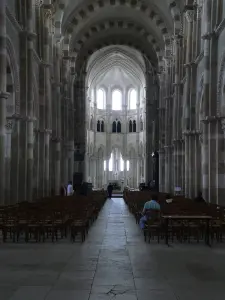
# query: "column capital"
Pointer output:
{"type": "Point", "coordinates": [4, 95]}
{"type": "Point", "coordinates": [191, 133]}
{"type": "Point", "coordinates": [14, 117]}
{"type": "Point", "coordinates": [211, 119]}
{"type": "Point", "coordinates": [190, 14]}
{"type": "Point", "coordinates": [56, 139]}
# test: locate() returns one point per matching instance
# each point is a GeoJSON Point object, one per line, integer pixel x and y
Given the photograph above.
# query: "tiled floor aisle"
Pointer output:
{"type": "Point", "coordinates": [113, 263]}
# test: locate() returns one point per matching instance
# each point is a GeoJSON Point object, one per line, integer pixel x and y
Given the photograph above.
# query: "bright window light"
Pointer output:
{"type": "Point", "coordinates": [111, 163]}
{"type": "Point", "coordinates": [133, 99]}
{"type": "Point", "coordinates": [116, 100]}
{"type": "Point", "coordinates": [121, 164]}
{"type": "Point", "coordinates": [100, 99]}
{"type": "Point", "coordinates": [104, 165]}
{"type": "Point", "coordinates": [128, 165]}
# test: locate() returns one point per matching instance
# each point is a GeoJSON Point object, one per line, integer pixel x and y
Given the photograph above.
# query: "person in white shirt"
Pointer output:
{"type": "Point", "coordinates": [70, 189]}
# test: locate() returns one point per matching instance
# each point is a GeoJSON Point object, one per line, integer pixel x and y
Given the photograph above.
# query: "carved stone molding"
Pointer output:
{"type": "Point", "coordinates": [191, 133]}
{"type": "Point", "coordinates": [190, 14]}
{"type": "Point", "coordinates": [4, 95]}
{"type": "Point", "coordinates": [9, 125]}
{"type": "Point", "coordinates": [211, 119]}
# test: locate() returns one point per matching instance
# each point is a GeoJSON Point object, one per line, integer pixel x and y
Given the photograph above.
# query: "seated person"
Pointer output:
{"type": "Point", "coordinates": [169, 199]}
{"type": "Point", "coordinates": [199, 198]}
{"type": "Point", "coordinates": [150, 210]}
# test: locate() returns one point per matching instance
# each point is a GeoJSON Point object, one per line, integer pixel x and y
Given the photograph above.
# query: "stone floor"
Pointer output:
{"type": "Point", "coordinates": [113, 263]}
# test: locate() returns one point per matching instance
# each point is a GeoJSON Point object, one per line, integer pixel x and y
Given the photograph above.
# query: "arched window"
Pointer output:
{"type": "Point", "coordinates": [116, 100]}
{"type": "Point", "coordinates": [102, 126]}
{"type": "Point", "coordinates": [98, 126]}
{"type": "Point", "coordinates": [100, 99]}
{"type": "Point", "coordinates": [114, 126]}
{"type": "Point", "coordinates": [134, 126]}
{"type": "Point", "coordinates": [118, 127]}
{"type": "Point", "coordinates": [133, 99]}
{"type": "Point", "coordinates": [130, 126]}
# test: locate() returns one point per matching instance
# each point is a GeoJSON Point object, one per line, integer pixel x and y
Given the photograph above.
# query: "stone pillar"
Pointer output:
{"type": "Point", "coordinates": [176, 114]}
{"type": "Point", "coordinates": [220, 162]}
{"type": "Point", "coordinates": [8, 162]}
{"type": "Point", "coordinates": [57, 156]}
{"type": "Point", "coordinates": [71, 161]}
{"type": "Point", "coordinates": [86, 160]}
{"type": "Point", "coordinates": [206, 104]}
{"type": "Point", "coordinates": [30, 102]}
{"type": "Point", "coordinates": [187, 101]}
{"type": "Point", "coordinates": [57, 140]}
{"type": "Point", "coordinates": [15, 152]}
{"type": "Point", "coordinates": [3, 96]}
{"type": "Point", "coordinates": [161, 170]}
{"type": "Point", "coordinates": [138, 173]}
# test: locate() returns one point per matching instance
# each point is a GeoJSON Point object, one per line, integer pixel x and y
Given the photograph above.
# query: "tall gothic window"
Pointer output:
{"type": "Point", "coordinates": [100, 99]}
{"type": "Point", "coordinates": [116, 100]}
{"type": "Point", "coordinates": [132, 99]}
{"type": "Point", "coordinates": [132, 126]}
{"type": "Point", "coordinates": [102, 126]}
{"type": "Point", "coordinates": [116, 126]}
{"type": "Point", "coordinates": [98, 126]}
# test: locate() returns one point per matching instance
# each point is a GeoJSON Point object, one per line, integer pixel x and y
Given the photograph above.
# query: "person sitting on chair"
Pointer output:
{"type": "Point", "coordinates": [150, 211]}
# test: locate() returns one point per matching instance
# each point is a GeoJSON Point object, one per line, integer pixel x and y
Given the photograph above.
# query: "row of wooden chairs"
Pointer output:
{"type": "Point", "coordinates": [50, 218]}
{"type": "Point", "coordinates": [181, 230]}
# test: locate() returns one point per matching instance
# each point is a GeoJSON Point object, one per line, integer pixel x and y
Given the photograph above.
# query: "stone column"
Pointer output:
{"type": "Point", "coordinates": [220, 162]}
{"type": "Point", "coordinates": [57, 140]}
{"type": "Point", "coordinates": [48, 99]}
{"type": "Point", "coordinates": [161, 170]}
{"type": "Point", "coordinates": [176, 114]}
{"type": "Point", "coordinates": [3, 96]}
{"type": "Point", "coordinates": [86, 160]}
{"type": "Point", "coordinates": [15, 152]}
{"type": "Point", "coordinates": [8, 162]}
{"type": "Point", "coordinates": [71, 161]}
{"type": "Point", "coordinates": [187, 101]}
{"type": "Point", "coordinates": [138, 173]}
{"type": "Point", "coordinates": [206, 103]}
{"type": "Point", "coordinates": [30, 102]}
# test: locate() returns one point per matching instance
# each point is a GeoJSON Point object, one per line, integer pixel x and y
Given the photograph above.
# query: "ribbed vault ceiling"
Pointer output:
{"type": "Point", "coordinates": [147, 25]}
{"type": "Point", "coordinates": [119, 57]}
